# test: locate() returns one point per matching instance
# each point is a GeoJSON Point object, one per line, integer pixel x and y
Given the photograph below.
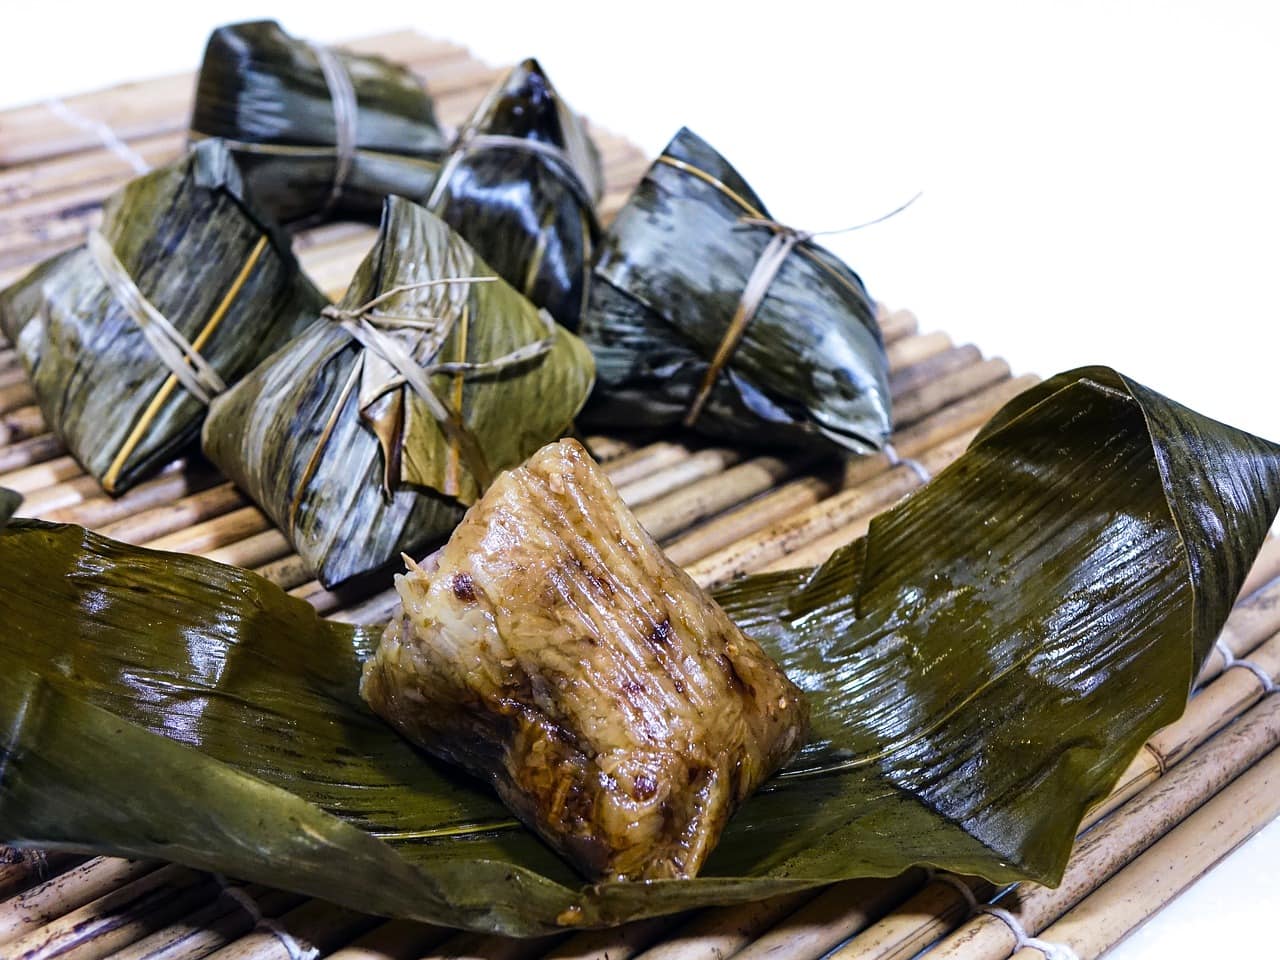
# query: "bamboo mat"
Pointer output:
{"type": "Point", "coordinates": [1198, 789]}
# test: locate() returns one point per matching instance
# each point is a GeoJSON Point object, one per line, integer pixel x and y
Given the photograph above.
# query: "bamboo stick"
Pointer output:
{"type": "Point", "coordinates": [917, 404]}
{"type": "Point", "coordinates": [917, 375]}
{"type": "Point", "coordinates": [640, 463]}
{"type": "Point", "coordinates": [118, 918]}
{"type": "Point", "coordinates": [905, 352]}
{"type": "Point", "coordinates": [149, 525]}
{"type": "Point", "coordinates": [314, 925]}
{"type": "Point", "coordinates": [734, 525]}
{"type": "Point", "coordinates": [480, 946]}
{"type": "Point", "coordinates": [255, 551]}
{"type": "Point", "coordinates": [711, 462]}
{"type": "Point", "coordinates": [394, 940]}
{"type": "Point", "coordinates": [604, 449]}
{"type": "Point", "coordinates": [215, 533]}
{"type": "Point", "coordinates": [1132, 829]}
{"type": "Point", "coordinates": [66, 892]}
{"type": "Point", "coordinates": [212, 926]}
{"type": "Point", "coordinates": [616, 943]}
{"type": "Point", "coordinates": [22, 869]}
{"type": "Point", "coordinates": [716, 934]}
{"type": "Point", "coordinates": [21, 423]}
{"type": "Point", "coordinates": [94, 509]}
{"type": "Point", "coordinates": [682, 508]}
{"type": "Point", "coordinates": [16, 395]}
{"type": "Point", "coordinates": [832, 917]}
{"type": "Point", "coordinates": [33, 450]}
{"type": "Point", "coordinates": [1173, 863]}
{"type": "Point", "coordinates": [32, 478]}
{"type": "Point", "coordinates": [919, 922]}
{"type": "Point", "coordinates": [819, 549]}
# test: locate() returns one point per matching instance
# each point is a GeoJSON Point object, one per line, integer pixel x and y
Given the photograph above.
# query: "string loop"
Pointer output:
{"type": "Point", "coordinates": [174, 350]}
{"type": "Point", "coordinates": [342, 93]}
{"type": "Point", "coordinates": [365, 325]}
{"type": "Point", "coordinates": [1230, 660]}
{"type": "Point", "coordinates": [108, 137]}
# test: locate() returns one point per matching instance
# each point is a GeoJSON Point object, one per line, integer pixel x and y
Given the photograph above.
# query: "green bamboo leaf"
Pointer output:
{"type": "Point", "coordinates": [810, 368]}
{"type": "Point", "coordinates": [980, 667]}
{"type": "Point", "coordinates": [345, 457]}
{"type": "Point", "coordinates": [194, 243]}
{"type": "Point", "coordinates": [268, 96]}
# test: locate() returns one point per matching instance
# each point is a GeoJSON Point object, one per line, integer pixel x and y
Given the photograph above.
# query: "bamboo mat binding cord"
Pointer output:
{"type": "Point", "coordinates": [718, 511]}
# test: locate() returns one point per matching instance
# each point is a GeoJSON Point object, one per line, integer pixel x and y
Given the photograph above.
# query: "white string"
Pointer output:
{"type": "Point", "coordinates": [1052, 951]}
{"type": "Point", "coordinates": [174, 350]}
{"type": "Point", "coordinates": [916, 467]}
{"type": "Point", "coordinates": [1230, 660]}
{"type": "Point", "coordinates": [343, 95]}
{"type": "Point", "coordinates": [109, 138]}
{"type": "Point", "coordinates": [250, 906]}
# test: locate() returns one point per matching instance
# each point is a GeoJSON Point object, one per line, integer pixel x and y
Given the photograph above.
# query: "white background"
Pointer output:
{"type": "Point", "coordinates": [1101, 181]}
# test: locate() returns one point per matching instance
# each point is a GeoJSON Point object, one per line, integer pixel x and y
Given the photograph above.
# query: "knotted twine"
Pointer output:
{"type": "Point", "coordinates": [780, 246]}
{"type": "Point", "coordinates": [367, 327]}
{"type": "Point", "coordinates": [174, 350]}
{"type": "Point", "coordinates": [108, 137]}
{"type": "Point", "coordinates": [469, 142]}
{"type": "Point", "coordinates": [343, 96]}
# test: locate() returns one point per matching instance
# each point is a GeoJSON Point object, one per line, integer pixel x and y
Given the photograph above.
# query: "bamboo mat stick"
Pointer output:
{"type": "Point", "coordinates": [1262, 572]}
{"type": "Point", "coordinates": [698, 466]}
{"type": "Point", "coordinates": [1172, 864]}
{"type": "Point", "coordinates": [906, 379]}
{"type": "Point", "coordinates": [22, 869]}
{"type": "Point", "coordinates": [21, 423]}
{"type": "Point", "coordinates": [315, 925]}
{"type": "Point", "coordinates": [212, 926]}
{"type": "Point", "coordinates": [116, 919]}
{"type": "Point", "coordinates": [732, 526]}
{"type": "Point", "coordinates": [66, 892]}
{"type": "Point", "coordinates": [682, 508]}
{"type": "Point", "coordinates": [720, 933]}
{"type": "Point", "coordinates": [150, 525]}
{"type": "Point", "coordinates": [1115, 842]}
{"type": "Point", "coordinates": [16, 395]}
{"type": "Point", "coordinates": [22, 183]}
{"type": "Point", "coordinates": [212, 534]}
{"type": "Point", "coordinates": [819, 550]}
{"type": "Point", "coordinates": [906, 931]}
{"type": "Point", "coordinates": [832, 917]}
{"type": "Point", "coordinates": [481, 946]}
{"type": "Point", "coordinates": [903, 353]}
{"type": "Point", "coordinates": [615, 943]}
{"type": "Point", "coordinates": [394, 940]}
{"type": "Point", "coordinates": [32, 450]}
{"type": "Point", "coordinates": [40, 475]}
{"type": "Point", "coordinates": [94, 509]}
{"type": "Point", "coordinates": [255, 551]}
{"type": "Point", "coordinates": [917, 404]}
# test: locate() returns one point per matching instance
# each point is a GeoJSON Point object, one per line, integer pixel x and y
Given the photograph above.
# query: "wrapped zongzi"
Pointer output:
{"type": "Point", "coordinates": [706, 311]}
{"type": "Point", "coordinates": [519, 184]}
{"type": "Point", "coordinates": [370, 433]}
{"type": "Point", "coordinates": [552, 648]}
{"type": "Point", "coordinates": [183, 288]}
{"type": "Point", "coordinates": [320, 133]}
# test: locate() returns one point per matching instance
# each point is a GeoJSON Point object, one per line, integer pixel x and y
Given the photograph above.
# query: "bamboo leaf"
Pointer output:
{"type": "Point", "coordinates": [668, 282]}
{"type": "Point", "coordinates": [267, 94]}
{"type": "Point", "coordinates": [980, 669]}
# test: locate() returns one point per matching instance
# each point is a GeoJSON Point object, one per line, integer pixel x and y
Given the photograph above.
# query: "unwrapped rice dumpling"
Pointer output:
{"type": "Point", "coordinates": [705, 311]}
{"type": "Point", "coordinates": [552, 648]}
{"type": "Point", "coordinates": [372, 431]}
{"type": "Point", "coordinates": [519, 183]}
{"type": "Point", "coordinates": [183, 288]}
{"type": "Point", "coordinates": [320, 133]}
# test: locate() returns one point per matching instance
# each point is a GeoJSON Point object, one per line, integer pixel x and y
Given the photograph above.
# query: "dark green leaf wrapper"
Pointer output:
{"type": "Point", "coordinates": [266, 94]}
{"type": "Point", "coordinates": [980, 668]}
{"type": "Point", "coordinates": [529, 216]}
{"type": "Point", "coordinates": [184, 234]}
{"type": "Point", "coordinates": [810, 370]}
{"type": "Point", "coordinates": [344, 457]}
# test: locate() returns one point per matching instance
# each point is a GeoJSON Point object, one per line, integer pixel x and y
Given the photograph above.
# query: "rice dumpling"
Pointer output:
{"type": "Point", "coordinates": [320, 133]}
{"type": "Point", "coordinates": [552, 648]}
{"type": "Point", "coordinates": [706, 311]}
{"type": "Point", "coordinates": [372, 431]}
{"type": "Point", "coordinates": [182, 290]}
{"type": "Point", "coordinates": [519, 183]}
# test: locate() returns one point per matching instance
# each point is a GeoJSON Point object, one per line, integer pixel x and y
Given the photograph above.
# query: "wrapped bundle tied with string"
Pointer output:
{"type": "Point", "coordinates": [319, 133]}
{"type": "Point", "coordinates": [519, 183]}
{"type": "Point", "coordinates": [182, 290]}
{"type": "Point", "coordinates": [373, 431]}
{"type": "Point", "coordinates": [704, 311]}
